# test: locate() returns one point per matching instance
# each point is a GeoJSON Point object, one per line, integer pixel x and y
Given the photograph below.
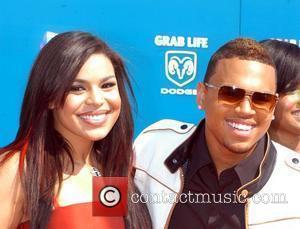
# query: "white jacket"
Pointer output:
{"type": "Point", "coordinates": [159, 186]}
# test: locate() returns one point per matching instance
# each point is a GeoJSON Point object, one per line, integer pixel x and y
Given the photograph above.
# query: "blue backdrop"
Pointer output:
{"type": "Point", "coordinates": [166, 45]}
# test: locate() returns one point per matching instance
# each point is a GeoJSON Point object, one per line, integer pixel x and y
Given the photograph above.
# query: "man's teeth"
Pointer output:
{"type": "Point", "coordinates": [240, 126]}
{"type": "Point", "coordinates": [93, 117]}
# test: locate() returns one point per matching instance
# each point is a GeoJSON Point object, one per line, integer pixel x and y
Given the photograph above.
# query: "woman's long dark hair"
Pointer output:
{"type": "Point", "coordinates": [42, 146]}
{"type": "Point", "coordinates": [286, 57]}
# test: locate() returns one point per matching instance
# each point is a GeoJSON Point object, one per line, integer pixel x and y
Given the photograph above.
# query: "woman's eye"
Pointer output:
{"type": "Point", "coordinates": [108, 85]}
{"type": "Point", "coordinates": [77, 88]}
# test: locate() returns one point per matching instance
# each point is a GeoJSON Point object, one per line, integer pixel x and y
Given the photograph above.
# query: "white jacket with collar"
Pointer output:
{"type": "Point", "coordinates": [276, 205]}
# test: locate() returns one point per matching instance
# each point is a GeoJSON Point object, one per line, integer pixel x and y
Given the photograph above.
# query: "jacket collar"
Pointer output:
{"type": "Point", "coordinates": [180, 155]}
{"type": "Point", "coordinates": [179, 158]}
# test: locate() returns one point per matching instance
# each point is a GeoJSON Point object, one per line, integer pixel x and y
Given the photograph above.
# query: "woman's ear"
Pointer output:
{"type": "Point", "coordinates": [51, 106]}
{"type": "Point", "coordinates": [201, 89]}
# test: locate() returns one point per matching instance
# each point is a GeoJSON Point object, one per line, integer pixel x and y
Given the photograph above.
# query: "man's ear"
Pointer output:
{"type": "Point", "coordinates": [201, 92]}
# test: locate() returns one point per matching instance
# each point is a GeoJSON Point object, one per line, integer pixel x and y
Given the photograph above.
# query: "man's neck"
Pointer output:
{"type": "Point", "coordinates": [225, 160]}
{"type": "Point", "coordinates": [223, 157]}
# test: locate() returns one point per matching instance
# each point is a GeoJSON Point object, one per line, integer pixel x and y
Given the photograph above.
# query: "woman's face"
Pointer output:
{"type": "Point", "coordinates": [287, 113]}
{"type": "Point", "coordinates": [93, 104]}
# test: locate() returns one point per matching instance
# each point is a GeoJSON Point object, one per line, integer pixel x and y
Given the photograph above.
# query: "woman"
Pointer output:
{"type": "Point", "coordinates": [285, 128]}
{"type": "Point", "coordinates": [75, 121]}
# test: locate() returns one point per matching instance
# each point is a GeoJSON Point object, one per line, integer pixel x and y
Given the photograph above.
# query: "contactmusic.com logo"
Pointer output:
{"type": "Point", "coordinates": [110, 196]}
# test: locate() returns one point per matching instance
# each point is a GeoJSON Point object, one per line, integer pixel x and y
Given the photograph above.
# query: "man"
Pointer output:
{"type": "Point", "coordinates": [225, 172]}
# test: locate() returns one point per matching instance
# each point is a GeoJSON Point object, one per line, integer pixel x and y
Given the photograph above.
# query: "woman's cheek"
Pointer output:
{"type": "Point", "coordinates": [73, 102]}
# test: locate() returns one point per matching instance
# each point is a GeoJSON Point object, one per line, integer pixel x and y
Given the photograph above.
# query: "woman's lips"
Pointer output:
{"type": "Point", "coordinates": [296, 113]}
{"type": "Point", "coordinates": [94, 119]}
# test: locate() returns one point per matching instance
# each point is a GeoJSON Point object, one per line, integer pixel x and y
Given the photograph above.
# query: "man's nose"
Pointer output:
{"type": "Point", "coordinates": [245, 108]}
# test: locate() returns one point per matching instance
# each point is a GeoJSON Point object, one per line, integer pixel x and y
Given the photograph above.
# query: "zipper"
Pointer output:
{"type": "Point", "coordinates": [252, 181]}
{"type": "Point", "coordinates": [246, 215]}
{"type": "Point", "coordinates": [179, 193]}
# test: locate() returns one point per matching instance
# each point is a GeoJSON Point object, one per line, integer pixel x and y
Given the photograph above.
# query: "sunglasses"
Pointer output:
{"type": "Point", "coordinates": [232, 95]}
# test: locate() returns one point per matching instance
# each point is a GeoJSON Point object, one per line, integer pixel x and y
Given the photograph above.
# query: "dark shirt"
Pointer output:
{"type": "Point", "coordinates": [218, 206]}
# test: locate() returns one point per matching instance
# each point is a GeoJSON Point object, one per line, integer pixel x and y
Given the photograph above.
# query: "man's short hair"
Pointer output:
{"type": "Point", "coordinates": [242, 48]}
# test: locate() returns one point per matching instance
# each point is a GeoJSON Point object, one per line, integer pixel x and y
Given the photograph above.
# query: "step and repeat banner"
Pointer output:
{"type": "Point", "coordinates": [166, 45]}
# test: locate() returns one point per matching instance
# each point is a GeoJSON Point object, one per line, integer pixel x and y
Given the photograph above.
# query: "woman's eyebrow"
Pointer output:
{"type": "Point", "coordinates": [101, 80]}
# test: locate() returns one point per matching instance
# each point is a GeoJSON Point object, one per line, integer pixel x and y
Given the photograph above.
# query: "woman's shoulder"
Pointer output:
{"type": "Point", "coordinates": [9, 159]}
{"type": "Point", "coordinates": [11, 193]}
{"type": "Point", "coordinates": [9, 167]}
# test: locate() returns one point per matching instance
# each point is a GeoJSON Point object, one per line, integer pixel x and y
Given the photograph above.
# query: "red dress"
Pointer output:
{"type": "Point", "coordinates": [77, 216]}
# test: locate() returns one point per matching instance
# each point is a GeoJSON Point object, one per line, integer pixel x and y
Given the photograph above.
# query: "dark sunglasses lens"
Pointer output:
{"type": "Point", "coordinates": [231, 95]}
{"type": "Point", "coordinates": [263, 100]}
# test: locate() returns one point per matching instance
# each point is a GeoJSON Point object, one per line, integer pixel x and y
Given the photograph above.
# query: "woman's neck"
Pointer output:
{"type": "Point", "coordinates": [285, 138]}
{"type": "Point", "coordinates": [82, 157]}
{"type": "Point", "coordinates": [81, 153]}
{"type": "Point", "coordinates": [81, 148]}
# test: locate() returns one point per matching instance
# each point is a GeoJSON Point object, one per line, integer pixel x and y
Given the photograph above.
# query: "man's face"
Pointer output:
{"type": "Point", "coordinates": [237, 128]}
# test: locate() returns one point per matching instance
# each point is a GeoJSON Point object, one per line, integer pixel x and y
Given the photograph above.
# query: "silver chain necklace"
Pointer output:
{"type": "Point", "coordinates": [95, 172]}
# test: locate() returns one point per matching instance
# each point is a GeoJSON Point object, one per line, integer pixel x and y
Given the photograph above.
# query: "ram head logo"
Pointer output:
{"type": "Point", "coordinates": [180, 67]}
